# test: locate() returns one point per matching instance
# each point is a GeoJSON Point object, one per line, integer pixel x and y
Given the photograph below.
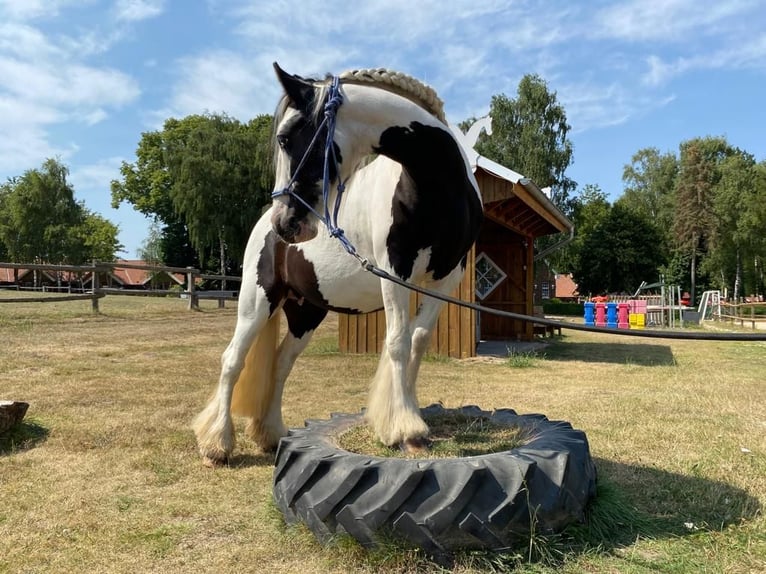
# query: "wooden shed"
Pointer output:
{"type": "Point", "coordinates": [500, 266]}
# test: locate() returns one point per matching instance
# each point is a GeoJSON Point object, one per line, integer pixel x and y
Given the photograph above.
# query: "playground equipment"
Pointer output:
{"type": "Point", "coordinates": [616, 315]}
{"type": "Point", "coordinates": [666, 309]}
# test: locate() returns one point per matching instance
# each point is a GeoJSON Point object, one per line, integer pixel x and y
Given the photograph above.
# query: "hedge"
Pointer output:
{"type": "Point", "coordinates": [566, 309]}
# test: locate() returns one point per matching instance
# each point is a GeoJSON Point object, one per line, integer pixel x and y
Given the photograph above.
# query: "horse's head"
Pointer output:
{"type": "Point", "coordinates": [299, 157]}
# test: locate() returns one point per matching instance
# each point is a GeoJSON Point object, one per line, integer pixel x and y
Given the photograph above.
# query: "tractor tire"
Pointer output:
{"type": "Point", "coordinates": [491, 501]}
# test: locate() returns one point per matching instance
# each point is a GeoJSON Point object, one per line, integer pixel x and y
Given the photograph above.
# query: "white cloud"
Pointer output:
{"type": "Point", "coordinates": [669, 21]}
{"type": "Point", "coordinates": [135, 10]}
{"type": "Point", "coordinates": [591, 106]}
{"type": "Point", "coordinates": [95, 116]}
{"type": "Point", "coordinates": [749, 53]}
{"type": "Point", "coordinates": [97, 176]}
{"type": "Point", "coordinates": [221, 81]}
{"type": "Point", "coordinates": [22, 10]}
{"type": "Point", "coordinates": [45, 81]}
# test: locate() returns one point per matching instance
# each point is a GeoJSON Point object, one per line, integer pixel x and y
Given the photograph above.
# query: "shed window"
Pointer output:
{"type": "Point", "coordinates": [488, 276]}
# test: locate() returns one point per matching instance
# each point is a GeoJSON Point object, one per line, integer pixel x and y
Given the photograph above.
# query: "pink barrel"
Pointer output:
{"type": "Point", "coordinates": [600, 314]}
{"type": "Point", "coordinates": [623, 316]}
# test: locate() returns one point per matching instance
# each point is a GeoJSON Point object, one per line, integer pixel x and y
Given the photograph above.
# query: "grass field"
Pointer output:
{"type": "Point", "coordinates": [104, 476]}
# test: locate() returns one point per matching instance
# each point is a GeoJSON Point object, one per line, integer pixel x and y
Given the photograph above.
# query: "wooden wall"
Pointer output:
{"type": "Point", "coordinates": [513, 253]}
{"type": "Point", "coordinates": [454, 336]}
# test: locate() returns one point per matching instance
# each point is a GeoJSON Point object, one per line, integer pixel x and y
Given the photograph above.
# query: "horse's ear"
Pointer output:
{"type": "Point", "coordinates": [299, 91]}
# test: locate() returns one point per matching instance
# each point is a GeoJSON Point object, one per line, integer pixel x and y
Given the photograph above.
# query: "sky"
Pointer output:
{"type": "Point", "coordinates": [80, 80]}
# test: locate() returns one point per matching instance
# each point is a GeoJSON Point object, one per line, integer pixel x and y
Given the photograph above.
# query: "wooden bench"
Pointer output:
{"type": "Point", "coordinates": [544, 330]}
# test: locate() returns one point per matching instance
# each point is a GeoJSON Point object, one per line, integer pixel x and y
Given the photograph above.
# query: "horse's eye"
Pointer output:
{"type": "Point", "coordinates": [283, 140]}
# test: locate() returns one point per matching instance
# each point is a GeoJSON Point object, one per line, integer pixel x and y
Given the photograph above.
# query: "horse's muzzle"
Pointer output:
{"type": "Point", "coordinates": [292, 229]}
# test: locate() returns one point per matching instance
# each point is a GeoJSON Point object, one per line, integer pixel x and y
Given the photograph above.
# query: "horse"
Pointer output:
{"type": "Point", "coordinates": [398, 192]}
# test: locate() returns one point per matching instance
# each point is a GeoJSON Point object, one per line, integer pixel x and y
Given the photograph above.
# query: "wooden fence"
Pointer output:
{"type": "Point", "coordinates": [96, 292]}
{"type": "Point", "coordinates": [744, 314]}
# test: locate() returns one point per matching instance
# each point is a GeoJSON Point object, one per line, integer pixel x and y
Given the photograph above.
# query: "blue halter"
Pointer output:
{"type": "Point", "coordinates": [334, 101]}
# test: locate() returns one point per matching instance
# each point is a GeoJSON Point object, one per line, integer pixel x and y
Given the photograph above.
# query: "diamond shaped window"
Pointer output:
{"type": "Point", "coordinates": [488, 276]}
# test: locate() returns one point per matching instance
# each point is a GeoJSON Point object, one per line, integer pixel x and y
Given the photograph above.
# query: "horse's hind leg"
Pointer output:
{"type": "Point", "coordinates": [302, 320]}
{"type": "Point", "coordinates": [393, 409]}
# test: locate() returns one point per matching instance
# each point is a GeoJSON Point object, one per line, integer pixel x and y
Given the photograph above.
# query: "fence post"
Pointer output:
{"type": "Point", "coordinates": [94, 283]}
{"type": "Point", "coordinates": [193, 305]}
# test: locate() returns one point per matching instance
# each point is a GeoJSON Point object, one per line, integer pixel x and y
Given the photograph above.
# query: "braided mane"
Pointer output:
{"type": "Point", "coordinates": [400, 84]}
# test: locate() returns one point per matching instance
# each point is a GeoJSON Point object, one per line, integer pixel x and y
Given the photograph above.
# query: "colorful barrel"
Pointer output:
{"type": "Point", "coordinates": [611, 315]}
{"type": "Point", "coordinates": [590, 318]}
{"type": "Point", "coordinates": [600, 314]}
{"type": "Point", "coordinates": [623, 316]}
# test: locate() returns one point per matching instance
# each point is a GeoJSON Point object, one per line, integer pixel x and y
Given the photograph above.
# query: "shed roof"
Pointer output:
{"type": "Point", "coordinates": [518, 203]}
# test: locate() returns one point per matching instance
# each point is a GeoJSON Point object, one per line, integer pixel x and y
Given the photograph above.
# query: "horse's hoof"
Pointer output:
{"type": "Point", "coordinates": [215, 462]}
{"type": "Point", "coordinates": [414, 446]}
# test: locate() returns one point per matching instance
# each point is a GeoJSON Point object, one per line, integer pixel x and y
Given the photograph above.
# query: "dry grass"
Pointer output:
{"type": "Point", "coordinates": [452, 435]}
{"type": "Point", "coordinates": [104, 475]}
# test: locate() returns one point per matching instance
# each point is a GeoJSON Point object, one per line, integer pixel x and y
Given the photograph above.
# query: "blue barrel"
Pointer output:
{"type": "Point", "coordinates": [611, 315]}
{"type": "Point", "coordinates": [589, 314]}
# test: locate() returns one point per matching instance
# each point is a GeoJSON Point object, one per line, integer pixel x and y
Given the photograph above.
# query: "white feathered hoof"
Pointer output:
{"type": "Point", "coordinates": [215, 436]}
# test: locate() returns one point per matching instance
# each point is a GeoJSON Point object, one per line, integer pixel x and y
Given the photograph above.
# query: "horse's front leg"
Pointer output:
{"type": "Point", "coordinates": [254, 342]}
{"type": "Point", "coordinates": [393, 409]}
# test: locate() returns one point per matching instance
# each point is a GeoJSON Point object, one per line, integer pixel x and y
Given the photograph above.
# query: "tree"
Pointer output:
{"type": "Point", "coordinates": [151, 248]}
{"type": "Point", "coordinates": [206, 179]}
{"type": "Point", "coordinates": [97, 239]}
{"type": "Point", "coordinates": [529, 135]}
{"type": "Point", "coordinates": [622, 250]}
{"type": "Point", "coordinates": [40, 220]}
{"type": "Point", "coordinates": [694, 218]}
{"type": "Point", "coordinates": [589, 208]}
{"type": "Point", "coordinates": [737, 237]}
{"type": "Point", "coordinates": [649, 187]}
{"type": "Point", "coordinates": [5, 190]}
{"type": "Point", "coordinates": [38, 210]}
{"type": "Point", "coordinates": [216, 186]}
{"type": "Point", "coordinates": [146, 185]}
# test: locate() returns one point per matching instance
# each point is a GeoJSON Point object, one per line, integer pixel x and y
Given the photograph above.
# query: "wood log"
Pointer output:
{"type": "Point", "coordinates": [11, 414]}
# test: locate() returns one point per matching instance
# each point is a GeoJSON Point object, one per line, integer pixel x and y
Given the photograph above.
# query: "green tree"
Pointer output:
{"type": "Point", "coordinates": [649, 187]}
{"type": "Point", "coordinates": [40, 220]}
{"type": "Point", "coordinates": [206, 179]}
{"type": "Point", "coordinates": [217, 188]}
{"type": "Point", "coordinates": [529, 135]}
{"type": "Point", "coordinates": [622, 250]}
{"type": "Point", "coordinates": [737, 237]}
{"type": "Point", "coordinates": [151, 248]}
{"type": "Point", "coordinates": [39, 210]}
{"type": "Point", "coordinates": [589, 208]}
{"type": "Point", "coordinates": [694, 218]}
{"type": "Point", "coordinates": [146, 185]}
{"type": "Point", "coordinates": [96, 237]}
{"type": "Point", "coordinates": [5, 190]}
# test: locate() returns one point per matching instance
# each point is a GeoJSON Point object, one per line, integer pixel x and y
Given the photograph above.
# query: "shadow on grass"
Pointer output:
{"type": "Point", "coordinates": [644, 354]}
{"type": "Point", "coordinates": [657, 503]}
{"type": "Point", "coordinates": [23, 436]}
{"type": "Point", "coordinates": [635, 502]}
{"type": "Point", "coordinates": [244, 460]}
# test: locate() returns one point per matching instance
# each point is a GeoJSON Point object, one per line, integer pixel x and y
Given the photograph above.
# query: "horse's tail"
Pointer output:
{"type": "Point", "coordinates": [254, 389]}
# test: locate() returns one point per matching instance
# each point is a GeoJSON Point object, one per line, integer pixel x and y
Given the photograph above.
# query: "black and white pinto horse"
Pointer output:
{"type": "Point", "coordinates": [414, 211]}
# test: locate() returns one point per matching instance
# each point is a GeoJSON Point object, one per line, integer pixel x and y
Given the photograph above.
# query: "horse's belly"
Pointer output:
{"type": "Point", "coordinates": [341, 282]}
